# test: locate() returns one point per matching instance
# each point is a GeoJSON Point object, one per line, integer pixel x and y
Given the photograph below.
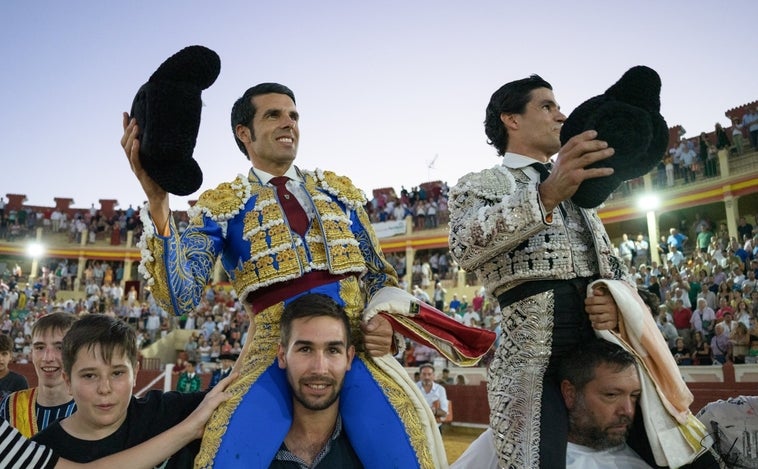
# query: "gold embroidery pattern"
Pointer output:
{"type": "Point", "coordinates": [276, 255]}
{"type": "Point", "coordinates": [157, 271]}
{"type": "Point", "coordinates": [195, 217]}
{"type": "Point", "coordinates": [384, 273]}
{"type": "Point", "coordinates": [260, 356]}
{"type": "Point", "coordinates": [272, 258]}
{"type": "Point", "coordinates": [340, 186]}
{"type": "Point", "coordinates": [225, 200]}
{"type": "Point", "coordinates": [404, 407]}
{"type": "Point", "coordinates": [318, 252]}
{"type": "Point", "coordinates": [354, 299]}
{"type": "Point", "coordinates": [221, 200]}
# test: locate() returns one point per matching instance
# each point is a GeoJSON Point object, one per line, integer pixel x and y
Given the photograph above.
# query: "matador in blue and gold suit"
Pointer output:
{"type": "Point", "coordinates": [242, 222]}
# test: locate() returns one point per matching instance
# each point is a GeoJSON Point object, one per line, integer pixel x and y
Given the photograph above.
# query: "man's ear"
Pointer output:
{"type": "Point", "coordinates": [569, 393]}
{"type": "Point", "coordinates": [281, 359]}
{"type": "Point", "coordinates": [350, 356]}
{"type": "Point", "coordinates": [243, 133]}
{"type": "Point", "coordinates": [510, 121]}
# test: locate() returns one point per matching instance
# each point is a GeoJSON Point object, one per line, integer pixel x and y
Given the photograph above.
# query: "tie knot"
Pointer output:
{"type": "Point", "coordinates": [543, 169]}
{"type": "Point", "coordinates": [279, 181]}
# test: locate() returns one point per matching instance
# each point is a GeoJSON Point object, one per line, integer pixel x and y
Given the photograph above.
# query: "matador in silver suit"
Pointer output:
{"type": "Point", "coordinates": [536, 252]}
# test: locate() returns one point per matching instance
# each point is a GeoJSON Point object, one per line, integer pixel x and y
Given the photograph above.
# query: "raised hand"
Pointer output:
{"type": "Point", "coordinates": [570, 168]}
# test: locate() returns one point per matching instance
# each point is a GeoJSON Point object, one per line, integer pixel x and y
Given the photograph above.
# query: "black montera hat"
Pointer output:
{"type": "Point", "coordinates": [167, 110]}
{"type": "Point", "coordinates": [627, 116]}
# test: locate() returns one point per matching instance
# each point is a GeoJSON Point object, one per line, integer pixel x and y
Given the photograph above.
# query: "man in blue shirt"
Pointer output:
{"type": "Point", "coordinates": [676, 239]}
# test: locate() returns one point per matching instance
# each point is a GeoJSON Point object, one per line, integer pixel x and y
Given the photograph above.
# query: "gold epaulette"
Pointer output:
{"type": "Point", "coordinates": [341, 187]}
{"type": "Point", "coordinates": [223, 202]}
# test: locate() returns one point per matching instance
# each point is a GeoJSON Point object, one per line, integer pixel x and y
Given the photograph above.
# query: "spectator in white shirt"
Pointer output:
{"type": "Point", "coordinates": [703, 319]}
{"type": "Point", "coordinates": [434, 393]}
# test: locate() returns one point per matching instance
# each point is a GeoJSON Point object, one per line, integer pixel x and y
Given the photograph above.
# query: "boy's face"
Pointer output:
{"type": "Point", "coordinates": [5, 358]}
{"type": "Point", "coordinates": [102, 391]}
{"type": "Point", "coordinates": [47, 357]}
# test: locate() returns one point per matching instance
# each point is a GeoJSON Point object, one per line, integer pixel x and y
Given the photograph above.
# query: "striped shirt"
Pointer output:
{"type": "Point", "coordinates": [48, 415]}
{"type": "Point", "coordinates": [16, 452]}
{"type": "Point", "coordinates": [45, 415]}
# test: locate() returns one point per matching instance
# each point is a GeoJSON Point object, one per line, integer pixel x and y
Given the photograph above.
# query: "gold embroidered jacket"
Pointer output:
{"type": "Point", "coordinates": [243, 223]}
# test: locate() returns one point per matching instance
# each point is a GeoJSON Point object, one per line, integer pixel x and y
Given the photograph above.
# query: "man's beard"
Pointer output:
{"type": "Point", "coordinates": [585, 430]}
{"type": "Point", "coordinates": [316, 405]}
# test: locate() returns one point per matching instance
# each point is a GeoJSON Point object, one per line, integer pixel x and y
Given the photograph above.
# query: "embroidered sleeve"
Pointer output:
{"type": "Point", "coordinates": [491, 213]}
{"type": "Point", "coordinates": [611, 266]}
{"type": "Point", "coordinates": [380, 273]}
{"type": "Point", "coordinates": [177, 268]}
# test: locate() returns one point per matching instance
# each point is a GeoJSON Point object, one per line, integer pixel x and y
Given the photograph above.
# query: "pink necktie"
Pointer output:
{"type": "Point", "coordinates": [296, 216]}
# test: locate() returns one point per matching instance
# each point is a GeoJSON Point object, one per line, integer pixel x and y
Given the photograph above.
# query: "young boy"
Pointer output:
{"type": "Point", "coordinates": [100, 365]}
{"type": "Point", "coordinates": [32, 410]}
{"type": "Point", "coordinates": [9, 381]}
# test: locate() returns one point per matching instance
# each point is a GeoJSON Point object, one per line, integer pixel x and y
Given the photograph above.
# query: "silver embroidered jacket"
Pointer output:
{"type": "Point", "coordinates": [500, 230]}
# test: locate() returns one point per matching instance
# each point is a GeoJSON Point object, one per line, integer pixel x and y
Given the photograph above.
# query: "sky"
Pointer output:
{"type": "Point", "coordinates": [390, 93]}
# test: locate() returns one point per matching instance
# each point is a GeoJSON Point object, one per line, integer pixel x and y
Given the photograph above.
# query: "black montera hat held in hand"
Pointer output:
{"type": "Point", "coordinates": [167, 109]}
{"type": "Point", "coordinates": [627, 116]}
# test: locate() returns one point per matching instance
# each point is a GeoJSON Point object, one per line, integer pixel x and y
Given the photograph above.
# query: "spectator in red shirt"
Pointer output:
{"type": "Point", "coordinates": [724, 307]}
{"type": "Point", "coordinates": [478, 302]}
{"type": "Point", "coordinates": [682, 318]}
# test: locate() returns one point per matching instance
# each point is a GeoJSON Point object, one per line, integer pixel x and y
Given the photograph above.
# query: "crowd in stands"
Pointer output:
{"type": "Point", "coordinates": [706, 288]}
{"type": "Point", "coordinates": [100, 281]}
{"type": "Point", "coordinates": [426, 207]}
{"type": "Point", "coordinates": [220, 326]}
{"type": "Point", "coordinates": [693, 159]}
{"type": "Point", "coordinates": [220, 319]}
{"type": "Point", "coordinates": [429, 266]}
{"type": "Point", "coordinates": [688, 161]}
{"type": "Point", "coordinates": [697, 158]}
{"type": "Point", "coordinates": [90, 224]}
